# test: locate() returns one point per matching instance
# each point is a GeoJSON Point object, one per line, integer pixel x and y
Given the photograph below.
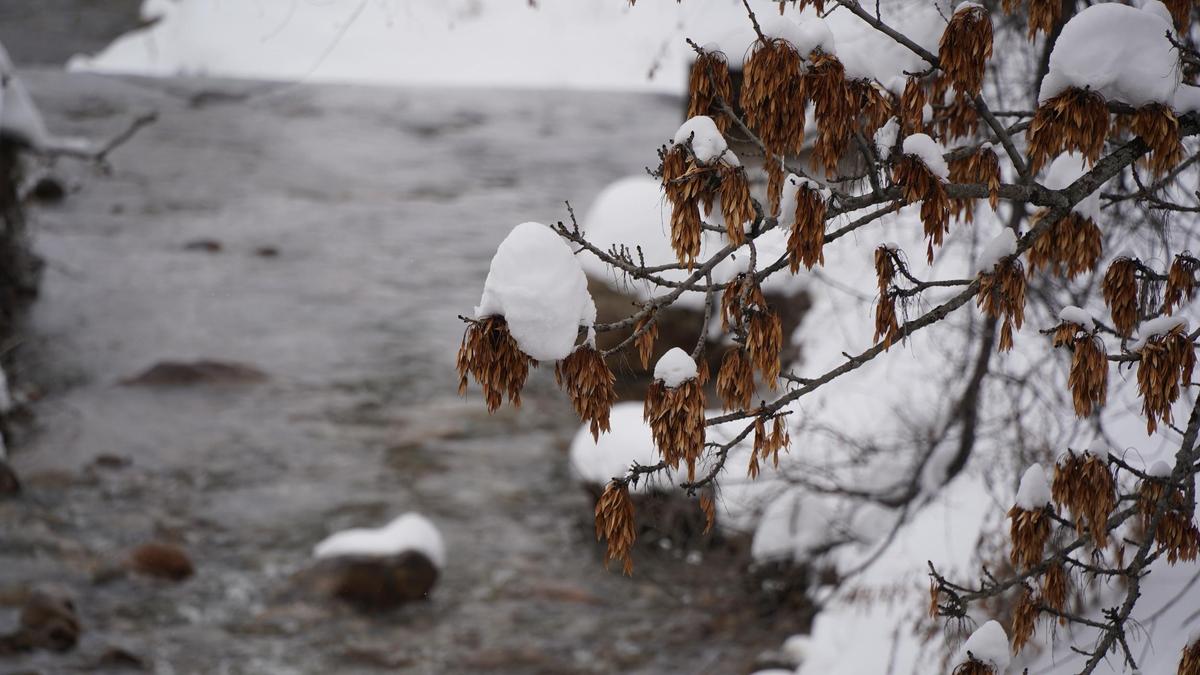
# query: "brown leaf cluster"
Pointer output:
{"type": "Point", "coordinates": [965, 48]}
{"type": "Point", "coordinates": [1181, 282]}
{"type": "Point", "coordinates": [1120, 290]}
{"type": "Point", "coordinates": [1181, 14]}
{"type": "Point", "coordinates": [980, 167]}
{"type": "Point", "coordinates": [1084, 485]}
{"type": "Point", "coordinates": [1024, 619]}
{"type": "Point", "coordinates": [1076, 119]}
{"type": "Point", "coordinates": [917, 183]}
{"type": "Point", "coordinates": [735, 380]}
{"type": "Point", "coordinates": [806, 243]}
{"type": "Point", "coordinates": [1002, 296]}
{"type": "Point", "coordinates": [737, 206]}
{"type": "Point", "coordinates": [1189, 660]}
{"type": "Point", "coordinates": [887, 325]}
{"type": "Point", "coordinates": [912, 107]}
{"type": "Point", "coordinates": [1070, 247]}
{"type": "Point", "coordinates": [773, 97]}
{"type": "Point", "coordinates": [708, 85]}
{"type": "Point", "coordinates": [615, 523]}
{"type": "Point", "coordinates": [1159, 128]}
{"type": "Point", "coordinates": [491, 355]}
{"type": "Point", "coordinates": [1166, 361]}
{"type": "Point", "coordinates": [974, 667]}
{"type": "Point", "coordinates": [825, 85]}
{"type": "Point", "coordinates": [1056, 585]}
{"type": "Point", "coordinates": [676, 418]}
{"type": "Point", "coordinates": [1088, 379]}
{"type": "Point", "coordinates": [709, 507]}
{"type": "Point", "coordinates": [1043, 14]}
{"type": "Point", "coordinates": [590, 386]}
{"type": "Point", "coordinates": [958, 118]}
{"type": "Point", "coordinates": [741, 295]}
{"type": "Point", "coordinates": [764, 341]}
{"type": "Point", "coordinates": [645, 338]}
{"type": "Point", "coordinates": [873, 103]}
{"type": "Point", "coordinates": [687, 185]}
{"type": "Point", "coordinates": [1176, 532]}
{"type": "Point", "coordinates": [767, 444]}
{"type": "Point", "coordinates": [1029, 531]}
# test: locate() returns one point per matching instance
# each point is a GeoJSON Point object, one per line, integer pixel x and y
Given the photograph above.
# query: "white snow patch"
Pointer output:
{"type": "Point", "coordinates": [1066, 169]}
{"type": "Point", "coordinates": [1159, 469]}
{"type": "Point", "coordinates": [674, 368]}
{"type": "Point", "coordinates": [1158, 326]}
{"type": "Point", "coordinates": [1003, 244]}
{"type": "Point", "coordinates": [1034, 491]}
{"type": "Point", "coordinates": [885, 138]}
{"type": "Point", "coordinates": [929, 152]}
{"type": "Point", "coordinates": [629, 442]}
{"type": "Point", "coordinates": [537, 285]}
{"type": "Point", "coordinates": [988, 644]}
{"type": "Point", "coordinates": [707, 142]}
{"type": "Point", "coordinates": [805, 35]}
{"type": "Point", "coordinates": [790, 193]}
{"type": "Point", "coordinates": [409, 532]}
{"type": "Point", "coordinates": [1073, 314]}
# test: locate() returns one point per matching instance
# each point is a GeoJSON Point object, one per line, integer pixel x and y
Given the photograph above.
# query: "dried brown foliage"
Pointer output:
{"type": "Point", "coordinates": [708, 86]}
{"type": "Point", "coordinates": [1159, 128]}
{"type": "Point", "coordinates": [1024, 619]}
{"type": "Point", "coordinates": [885, 267]}
{"type": "Point", "coordinates": [615, 523]}
{"type": "Point", "coordinates": [1083, 483]}
{"type": "Point", "coordinates": [645, 338]}
{"type": "Point", "coordinates": [742, 294]}
{"type": "Point", "coordinates": [958, 118]}
{"type": "Point", "coordinates": [772, 95]}
{"type": "Point", "coordinates": [873, 103]}
{"type": "Point", "coordinates": [1181, 282]}
{"type": "Point", "coordinates": [1181, 15]}
{"type": "Point", "coordinates": [1002, 296]}
{"type": "Point", "coordinates": [1070, 247]}
{"type": "Point", "coordinates": [806, 242]}
{"type": "Point", "coordinates": [1056, 585]}
{"type": "Point", "coordinates": [974, 667]}
{"type": "Point", "coordinates": [912, 107]}
{"type": "Point", "coordinates": [767, 444]}
{"type": "Point", "coordinates": [775, 177]}
{"type": "Point", "coordinates": [735, 380]}
{"type": "Point", "coordinates": [1166, 361]}
{"type": "Point", "coordinates": [491, 355]}
{"type": "Point", "coordinates": [737, 206]}
{"type": "Point", "coordinates": [686, 184]}
{"type": "Point", "coordinates": [1076, 119]}
{"type": "Point", "coordinates": [1120, 290]}
{"type": "Point", "coordinates": [590, 386]}
{"type": "Point", "coordinates": [887, 325]}
{"type": "Point", "coordinates": [676, 418]}
{"type": "Point", "coordinates": [1028, 531]}
{"type": "Point", "coordinates": [825, 85]}
{"type": "Point", "coordinates": [1043, 14]}
{"type": "Point", "coordinates": [1176, 532]}
{"type": "Point", "coordinates": [917, 183]}
{"type": "Point", "coordinates": [709, 508]}
{"type": "Point", "coordinates": [764, 341]}
{"type": "Point", "coordinates": [1088, 379]}
{"type": "Point", "coordinates": [965, 48]}
{"type": "Point", "coordinates": [1189, 660]}
{"type": "Point", "coordinates": [979, 167]}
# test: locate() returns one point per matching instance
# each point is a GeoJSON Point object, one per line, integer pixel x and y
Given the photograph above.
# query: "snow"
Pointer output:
{"type": "Point", "coordinates": [628, 443]}
{"type": "Point", "coordinates": [805, 35]}
{"type": "Point", "coordinates": [885, 138]}
{"type": "Point", "coordinates": [789, 193]}
{"type": "Point", "coordinates": [1073, 314]}
{"type": "Point", "coordinates": [1066, 169]}
{"type": "Point", "coordinates": [537, 285]}
{"type": "Point", "coordinates": [409, 532]}
{"type": "Point", "coordinates": [707, 142]}
{"type": "Point", "coordinates": [988, 644]}
{"type": "Point", "coordinates": [1003, 244]}
{"type": "Point", "coordinates": [19, 116]}
{"type": "Point", "coordinates": [1034, 491]}
{"type": "Point", "coordinates": [929, 152]}
{"type": "Point", "coordinates": [1119, 51]}
{"type": "Point", "coordinates": [1159, 469]}
{"type": "Point", "coordinates": [674, 368]}
{"type": "Point", "coordinates": [1158, 326]}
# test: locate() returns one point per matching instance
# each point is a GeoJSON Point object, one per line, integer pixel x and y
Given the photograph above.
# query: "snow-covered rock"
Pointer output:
{"type": "Point", "coordinates": [537, 285]}
{"type": "Point", "coordinates": [409, 532]}
{"type": "Point", "coordinates": [675, 367]}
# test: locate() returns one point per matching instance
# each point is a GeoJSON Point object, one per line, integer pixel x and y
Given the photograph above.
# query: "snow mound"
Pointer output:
{"type": "Point", "coordinates": [1066, 169]}
{"type": "Point", "coordinates": [537, 285]}
{"type": "Point", "coordinates": [19, 116]}
{"type": "Point", "coordinates": [628, 443]}
{"type": "Point", "coordinates": [988, 644]}
{"type": "Point", "coordinates": [409, 532]}
{"type": "Point", "coordinates": [674, 368]}
{"type": "Point", "coordinates": [1003, 244]}
{"type": "Point", "coordinates": [1159, 469]}
{"type": "Point", "coordinates": [1159, 326]}
{"type": "Point", "coordinates": [885, 138]}
{"type": "Point", "coordinates": [789, 193]}
{"type": "Point", "coordinates": [1073, 314]}
{"type": "Point", "coordinates": [1119, 51]}
{"type": "Point", "coordinates": [1034, 491]}
{"type": "Point", "coordinates": [805, 35]}
{"type": "Point", "coordinates": [707, 142]}
{"type": "Point", "coordinates": [929, 152]}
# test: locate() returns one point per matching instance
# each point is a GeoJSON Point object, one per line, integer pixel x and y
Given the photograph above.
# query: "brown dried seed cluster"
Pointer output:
{"type": "Point", "coordinates": [979, 167]}
{"type": "Point", "coordinates": [965, 48]}
{"type": "Point", "coordinates": [772, 95]}
{"type": "Point", "coordinates": [1166, 361]}
{"type": "Point", "coordinates": [1159, 128]}
{"type": "Point", "coordinates": [1070, 247]}
{"type": "Point", "coordinates": [887, 325]}
{"type": "Point", "coordinates": [737, 206]}
{"type": "Point", "coordinates": [1076, 119]}
{"type": "Point", "coordinates": [1089, 374]}
{"type": "Point", "coordinates": [1189, 660]}
{"type": "Point", "coordinates": [912, 107]}
{"type": "Point", "coordinates": [615, 523]}
{"type": "Point", "coordinates": [1181, 282]}
{"type": "Point", "coordinates": [1002, 296]}
{"type": "Point", "coordinates": [873, 103]}
{"type": "Point", "coordinates": [974, 667]}
{"type": "Point", "coordinates": [1024, 619]}
{"type": "Point", "coordinates": [917, 183]}
{"type": "Point", "coordinates": [687, 185]}
{"type": "Point", "coordinates": [645, 338]}
{"type": "Point", "coordinates": [491, 355]}
{"type": "Point", "coordinates": [775, 177]}
{"type": "Point", "coordinates": [1083, 484]}
{"type": "Point", "coordinates": [1181, 13]}
{"type": "Point", "coordinates": [1120, 290]}
{"type": "Point", "coordinates": [1055, 587]}
{"type": "Point", "coordinates": [676, 418]}
{"type": "Point", "coordinates": [764, 341]}
{"type": "Point", "coordinates": [825, 85]}
{"type": "Point", "coordinates": [1176, 532]}
{"type": "Point", "coordinates": [735, 380]}
{"type": "Point", "coordinates": [709, 508]}
{"type": "Point", "coordinates": [806, 243]}
{"type": "Point", "coordinates": [708, 86]}
{"type": "Point", "coordinates": [590, 386]}
{"type": "Point", "coordinates": [767, 444]}
{"type": "Point", "coordinates": [958, 118]}
{"type": "Point", "coordinates": [742, 294]}
{"type": "Point", "coordinates": [1029, 531]}
{"type": "Point", "coordinates": [1043, 14]}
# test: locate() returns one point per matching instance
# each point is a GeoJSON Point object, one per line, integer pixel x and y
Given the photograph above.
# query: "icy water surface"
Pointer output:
{"type": "Point", "coordinates": [384, 207]}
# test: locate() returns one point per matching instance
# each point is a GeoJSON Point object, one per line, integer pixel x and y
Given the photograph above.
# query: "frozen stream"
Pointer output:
{"type": "Point", "coordinates": [385, 206]}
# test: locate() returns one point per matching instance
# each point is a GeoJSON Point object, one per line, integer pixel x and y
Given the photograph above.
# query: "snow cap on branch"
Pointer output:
{"type": "Point", "coordinates": [536, 284]}
{"type": "Point", "coordinates": [1003, 244]}
{"type": "Point", "coordinates": [805, 36]}
{"type": "Point", "coordinates": [707, 142]}
{"type": "Point", "coordinates": [1034, 491]}
{"type": "Point", "coordinates": [675, 367]}
{"type": "Point", "coordinates": [929, 152]}
{"type": "Point", "coordinates": [1073, 314]}
{"type": "Point", "coordinates": [1066, 169]}
{"type": "Point", "coordinates": [1158, 326]}
{"type": "Point", "coordinates": [988, 645]}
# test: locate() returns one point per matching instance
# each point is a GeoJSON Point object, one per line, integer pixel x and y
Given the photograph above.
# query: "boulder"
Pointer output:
{"type": "Point", "coordinates": [372, 583]}
{"type": "Point", "coordinates": [161, 561]}
{"type": "Point", "coordinates": [48, 621]}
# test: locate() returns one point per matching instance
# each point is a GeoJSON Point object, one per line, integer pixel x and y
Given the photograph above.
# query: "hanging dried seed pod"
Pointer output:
{"type": "Point", "coordinates": [1089, 375]}
{"type": "Point", "coordinates": [742, 293]}
{"type": "Point", "coordinates": [709, 508]}
{"type": "Point", "coordinates": [1010, 6]}
{"type": "Point", "coordinates": [646, 330]}
{"type": "Point", "coordinates": [1175, 532]}
{"type": "Point", "coordinates": [589, 384]}
{"type": "Point", "coordinates": [1181, 282]}
{"type": "Point", "coordinates": [764, 341]}
{"type": "Point", "coordinates": [1189, 660]}
{"type": "Point", "coordinates": [772, 95]}
{"type": "Point", "coordinates": [1002, 296]}
{"type": "Point", "coordinates": [980, 651]}
{"type": "Point", "coordinates": [1055, 587]}
{"type": "Point", "coordinates": [615, 522]}
{"type": "Point", "coordinates": [919, 183]}
{"type": "Point", "coordinates": [912, 107]}
{"type": "Point", "coordinates": [1181, 16]}
{"type": "Point", "coordinates": [1076, 119]}
{"type": "Point", "coordinates": [806, 242]}
{"type": "Point", "coordinates": [1030, 518]}
{"type": "Point", "coordinates": [958, 118]}
{"type": "Point", "coordinates": [825, 84]}
{"type": "Point", "coordinates": [1159, 128]}
{"type": "Point", "coordinates": [1073, 245]}
{"type": "Point", "coordinates": [887, 326]}
{"type": "Point", "coordinates": [886, 265]}
{"type": "Point", "coordinates": [775, 178]}
{"type": "Point", "coordinates": [709, 86]}
{"type": "Point", "coordinates": [873, 103]}
{"type": "Point", "coordinates": [965, 47]}
{"type": "Point", "coordinates": [1084, 485]}
{"type": "Point", "coordinates": [491, 355]}
{"type": "Point", "coordinates": [1167, 358]}
{"type": "Point", "coordinates": [767, 445]}
{"type": "Point", "coordinates": [1024, 620]}
{"type": "Point", "coordinates": [1043, 15]}
{"type": "Point", "coordinates": [979, 167]}
{"type": "Point", "coordinates": [735, 380]}
{"type": "Point", "coordinates": [1120, 289]}
{"type": "Point", "coordinates": [675, 410]}
{"type": "Point", "coordinates": [737, 206]}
